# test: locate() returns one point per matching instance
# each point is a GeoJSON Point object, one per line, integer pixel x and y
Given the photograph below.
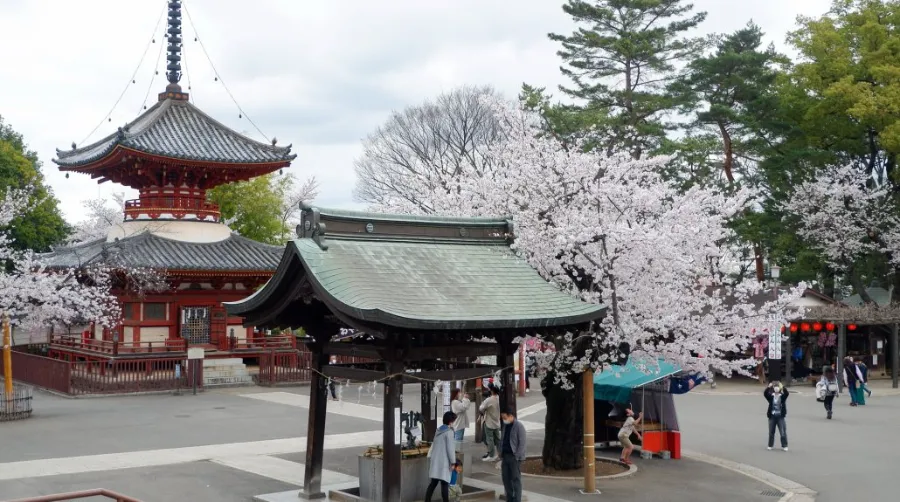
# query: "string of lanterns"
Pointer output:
{"type": "Point", "coordinates": [813, 327]}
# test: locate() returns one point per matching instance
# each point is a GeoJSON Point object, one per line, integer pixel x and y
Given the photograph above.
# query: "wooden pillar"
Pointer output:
{"type": "Point", "coordinates": [429, 424]}
{"type": "Point", "coordinates": [841, 352]}
{"type": "Point", "coordinates": [505, 355]}
{"type": "Point", "coordinates": [587, 384]}
{"type": "Point", "coordinates": [391, 439]}
{"type": "Point", "coordinates": [315, 433]}
{"type": "Point", "coordinates": [895, 355]}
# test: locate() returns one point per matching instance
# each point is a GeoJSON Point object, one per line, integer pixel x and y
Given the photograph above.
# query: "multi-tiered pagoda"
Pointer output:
{"type": "Point", "coordinates": [172, 154]}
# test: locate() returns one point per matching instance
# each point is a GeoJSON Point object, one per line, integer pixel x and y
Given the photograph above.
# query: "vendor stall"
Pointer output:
{"type": "Point", "coordinates": [642, 387]}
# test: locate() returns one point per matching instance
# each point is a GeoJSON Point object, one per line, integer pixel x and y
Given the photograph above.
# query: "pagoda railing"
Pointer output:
{"type": "Point", "coordinates": [115, 348]}
{"type": "Point", "coordinates": [178, 207]}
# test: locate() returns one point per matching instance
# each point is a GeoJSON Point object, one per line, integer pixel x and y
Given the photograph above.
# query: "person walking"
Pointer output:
{"type": "Point", "coordinates": [777, 395]}
{"type": "Point", "coordinates": [490, 410]}
{"type": "Point", "coordinates": [864, 373]}
{"type": "Point", "coordinates": [459, 405]}
{"type": "Point", "coordinates": [852, 377]}
{"type": "Point", "coordinates": [625, 433]}
{"type": "Point", "coordinates": [828, 388]}
{"type": "Point", "coordinates": [442, 459]}
{"type": "Point", "coordinates": [513, 454]}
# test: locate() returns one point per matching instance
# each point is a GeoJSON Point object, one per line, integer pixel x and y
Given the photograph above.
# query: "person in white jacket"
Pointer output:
{"type": "Point", "coordinates": [460, 406]}
{"type": "Point", "coordinates": [490, 410]}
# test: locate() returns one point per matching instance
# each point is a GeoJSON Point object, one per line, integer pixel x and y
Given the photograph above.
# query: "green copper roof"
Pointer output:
{"type": "Point", "coordinates": [404, 283]}
{"type": "Point", "coordinates": [420, 285]}
{"type": "Point", "coordinates": [412, 272]}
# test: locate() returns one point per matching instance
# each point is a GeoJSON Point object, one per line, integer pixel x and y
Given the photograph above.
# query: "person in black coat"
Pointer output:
{"type": "Point", "coordinates": [776, 395]}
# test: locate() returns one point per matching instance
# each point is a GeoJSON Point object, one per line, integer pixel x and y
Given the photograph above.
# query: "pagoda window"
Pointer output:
{"type": "Point", "coordinates": [155, 311]}
{"type": "Point", "coordinates": [131, 311]}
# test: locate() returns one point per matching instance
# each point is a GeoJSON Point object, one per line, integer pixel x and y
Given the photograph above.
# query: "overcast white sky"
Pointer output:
{"type": "Point", "coordinates": [318, 74]}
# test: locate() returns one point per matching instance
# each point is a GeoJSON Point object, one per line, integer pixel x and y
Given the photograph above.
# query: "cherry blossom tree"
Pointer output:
{"type": "Point", "coordinates": [610, 230]}
{"type": "Point", "coordinates": [35, 296]}
{"type": "Point", "coordinates": [846, 216]}
{"type": "Point", "coordinates": [101, 217]}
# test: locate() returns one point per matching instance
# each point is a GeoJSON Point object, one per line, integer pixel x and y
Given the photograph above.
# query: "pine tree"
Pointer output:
{"type": "Point", "coordinates": [623, 61]}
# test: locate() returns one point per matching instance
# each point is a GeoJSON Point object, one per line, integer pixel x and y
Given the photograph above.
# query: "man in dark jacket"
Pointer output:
{"type": "Point", "coordinates": [512, 451]}
{"type": "Point", "coordinates": [776, 394]}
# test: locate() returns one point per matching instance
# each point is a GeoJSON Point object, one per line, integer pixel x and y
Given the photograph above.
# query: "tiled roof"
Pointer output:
{"type": "Point", "coordinates": [179, 130]}
{"type": "Point", "coordinates": [421, 285]}
{"type": "Point", "coordinates": [148, 250]}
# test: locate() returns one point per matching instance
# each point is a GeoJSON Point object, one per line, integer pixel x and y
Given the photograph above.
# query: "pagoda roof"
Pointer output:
{"type": "Point", "coordinates": [148, 250]}
{"type": "Point", "coordinates": [402, 272]}
{"type": "Point", "coordinates": [176, 129]}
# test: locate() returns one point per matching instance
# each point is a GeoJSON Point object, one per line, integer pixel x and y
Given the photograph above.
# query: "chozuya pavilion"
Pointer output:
{"type": "Point", "coordinates": [431, 293]}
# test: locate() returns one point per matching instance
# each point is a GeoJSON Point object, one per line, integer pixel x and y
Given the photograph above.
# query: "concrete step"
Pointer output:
{"type": "Point", "coordinates": [232, 361]}
{"type": "Point", "coordinates": [212, 382]}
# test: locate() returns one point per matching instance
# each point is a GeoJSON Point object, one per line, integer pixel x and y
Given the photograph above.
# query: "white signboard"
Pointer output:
{"type": "Point", "coordinates": [775, 345]}
{"type": "Point", "coordinates": [195, 353]}
{"type": "Point", "coordinates": [446, 390]}
{"type": "Point", "coordinates": [398, 427]}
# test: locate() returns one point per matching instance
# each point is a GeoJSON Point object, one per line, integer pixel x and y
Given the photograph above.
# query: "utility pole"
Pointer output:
{"type": "Point", "coordinates": [587, 388]}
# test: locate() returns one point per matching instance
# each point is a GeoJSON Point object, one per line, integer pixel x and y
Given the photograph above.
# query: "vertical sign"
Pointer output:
{"type": "Point", "coordinates": [446, 400]}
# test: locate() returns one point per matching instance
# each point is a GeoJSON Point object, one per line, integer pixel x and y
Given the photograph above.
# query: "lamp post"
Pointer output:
{"type": "Point", "coordinates": [775, 335]}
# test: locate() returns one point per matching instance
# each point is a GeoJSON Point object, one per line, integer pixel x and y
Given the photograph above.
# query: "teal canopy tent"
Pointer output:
{"type": "Point", "coordinates": [617, 383]}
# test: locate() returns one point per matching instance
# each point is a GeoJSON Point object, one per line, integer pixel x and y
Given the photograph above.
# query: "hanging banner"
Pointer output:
{"type": "Point", "coordinates": [447, 391]}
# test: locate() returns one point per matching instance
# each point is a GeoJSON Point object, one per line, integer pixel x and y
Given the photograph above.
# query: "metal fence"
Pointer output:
{"type": "Point", "coordinates": [40, 371]}
{"type": "Point", "coordinates": [294, 367]}
{"type": "Point", "coordinates": [17, 405]}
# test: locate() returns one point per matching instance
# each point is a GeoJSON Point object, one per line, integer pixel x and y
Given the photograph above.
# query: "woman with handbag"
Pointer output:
{"type": "Point", "coordinates": [828, 388]}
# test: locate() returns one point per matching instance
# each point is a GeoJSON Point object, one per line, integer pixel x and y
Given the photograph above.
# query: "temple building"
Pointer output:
{"type": "Point", "coordinates": [172, 154]}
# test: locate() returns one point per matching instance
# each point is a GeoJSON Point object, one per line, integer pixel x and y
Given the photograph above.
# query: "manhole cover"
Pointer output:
{"type": "Point", "coordinates": [772, 493]}
{"type": "Point", "coordinates": [182, 416]}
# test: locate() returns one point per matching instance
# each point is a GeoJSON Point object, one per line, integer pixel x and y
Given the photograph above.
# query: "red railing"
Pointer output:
{"type": "Point", "coordinates": [117, 376]}
{"type": "Point", "coordinates": [175, 205]}
{"type": "Point", "coordinates": [177, 345]}
{"type": "Point", "coordinates": [41, 371]}
{"type": "Point", "coordinates": [97, 492]}
{"type": "Point", "coordinates": [294, 367]}
{"type": "Point", "coordinates": [277, 368]}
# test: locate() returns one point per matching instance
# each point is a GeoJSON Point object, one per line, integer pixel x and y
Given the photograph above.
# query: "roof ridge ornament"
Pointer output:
{"type": "Point", "coordinates": [311, 226]}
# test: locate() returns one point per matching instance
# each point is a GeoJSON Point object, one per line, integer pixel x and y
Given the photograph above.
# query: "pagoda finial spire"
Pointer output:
{"type": "Point", "coordinates": [173, 57]}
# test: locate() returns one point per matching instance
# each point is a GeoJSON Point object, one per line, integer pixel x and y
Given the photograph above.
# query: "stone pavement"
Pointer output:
{"type": "Point", "coordinates": [234, 444]}
{"type": "Point", "coordinates": [852, 457]}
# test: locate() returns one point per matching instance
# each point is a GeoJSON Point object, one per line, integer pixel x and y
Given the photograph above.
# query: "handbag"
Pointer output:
{"type": "Point", "coordinates": [832, 387]}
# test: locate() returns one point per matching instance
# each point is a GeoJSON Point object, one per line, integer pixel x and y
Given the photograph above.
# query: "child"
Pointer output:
{"type": "Point", "coordinates": [455, 487]}
{"type": "Point", "coordinates": [625, 435]}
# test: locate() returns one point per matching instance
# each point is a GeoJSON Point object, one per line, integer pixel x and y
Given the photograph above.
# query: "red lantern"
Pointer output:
{"type": "Point", "coordinates": [817, 326]}
{"type": "Point", "coordinates": [804, 327]}
{"type": "Point", "coordinates": [782, 329]}
{"type": "Point", "coordinates": [829, 326]}
{"type": "Point", "coordinates": [793, 327]}
{"type": "Point", "coordinates": [851, 327]}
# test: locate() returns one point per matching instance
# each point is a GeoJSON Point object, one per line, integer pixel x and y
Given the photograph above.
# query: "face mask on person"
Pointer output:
{"type": "Point", "coordinates": [507, 421]}
{"type": "Point", "coordinates": [776, 389]}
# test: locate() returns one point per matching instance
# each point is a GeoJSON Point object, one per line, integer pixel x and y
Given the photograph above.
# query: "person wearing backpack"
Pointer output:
{"type": "Point", "coordinates": [827, 388]}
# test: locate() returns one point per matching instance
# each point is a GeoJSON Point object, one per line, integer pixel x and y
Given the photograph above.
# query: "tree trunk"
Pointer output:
{"type": "Point", "coordinates": [563, 427]}
{"type": "Point", "coordinates": [728, 164]}
{"type": "Point", "coordinates": [758, 258]}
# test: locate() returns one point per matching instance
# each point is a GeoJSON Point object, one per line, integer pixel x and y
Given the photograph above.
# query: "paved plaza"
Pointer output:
{"type": "Point", "coordinates": [234, 444]}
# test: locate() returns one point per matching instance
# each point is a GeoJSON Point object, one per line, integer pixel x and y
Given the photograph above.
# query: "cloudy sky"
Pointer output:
{"type": "Point", "coordinates": [318, 74]}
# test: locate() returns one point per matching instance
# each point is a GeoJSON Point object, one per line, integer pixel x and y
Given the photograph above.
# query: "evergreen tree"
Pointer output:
{"type": "Point", "coordinates": [41, 225]}
{"type": "Point", "coordinates": [622, 61]}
